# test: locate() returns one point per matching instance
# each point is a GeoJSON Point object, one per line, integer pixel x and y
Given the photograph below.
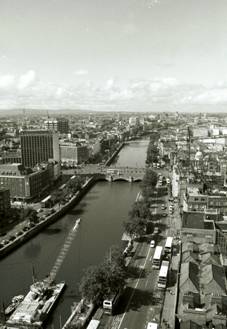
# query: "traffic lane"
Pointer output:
{"type": "Point", "coordinates": [143, 307]}
{"type": "Point", "coordinates": [139, 296]}
{"type": "Point", "coordinates": [146, 303]}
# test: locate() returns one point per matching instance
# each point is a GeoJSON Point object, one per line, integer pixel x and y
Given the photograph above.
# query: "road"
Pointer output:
{"type": "Point", "coordinates": [142, 301]}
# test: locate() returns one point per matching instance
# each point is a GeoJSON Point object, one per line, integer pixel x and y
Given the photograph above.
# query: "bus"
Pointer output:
{"type": "Point", "coordinates": [163, 274]}
{"type": "Point", "coordinates": [46, 202]}
{"type": "Point", "coordinates": [110, 303]}
{"type": "Point", "coordinates": [168, 245]}
{"type": "Point", "coordinates": [157, 257]}
{"type": "Point", "coordinates": [152, 325]}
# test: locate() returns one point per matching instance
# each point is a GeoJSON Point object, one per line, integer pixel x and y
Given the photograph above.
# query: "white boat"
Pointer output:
{"type": "Point", "coordinates": [16, 300]}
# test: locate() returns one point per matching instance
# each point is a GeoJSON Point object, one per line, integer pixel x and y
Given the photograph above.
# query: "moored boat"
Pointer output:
{"type": "Point", "coordinates": [36, 306]}
{"type": "Point", "coordinates": [16, 300]}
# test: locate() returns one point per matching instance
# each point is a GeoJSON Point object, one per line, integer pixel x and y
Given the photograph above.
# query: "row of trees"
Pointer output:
{"type": "Point", "coordinates": [140, 215]}
{"type": "Point", "coordinates": [108, 278]}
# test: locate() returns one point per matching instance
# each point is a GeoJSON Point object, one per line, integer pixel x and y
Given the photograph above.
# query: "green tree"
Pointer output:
{"type": "Point", "coordinates": [135, 226]}
{"type": "Point", "coordinates": [101, 281]}
{"type": "Point", "coordinates": [92, 285]}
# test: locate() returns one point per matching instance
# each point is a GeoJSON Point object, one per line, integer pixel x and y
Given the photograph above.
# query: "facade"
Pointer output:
{"type": "Point", "coordinates": [10, 157]}
{"type": "Point", "coordinates": [4, 201]}
{"type": "Point", "coordinates": [61, 125]}
{"type": "Point", "coordinates": [24, 184]}
{"type": "Point", "coordinates": [196, 201]}
{"type": "Point", "coordinates": [73, 153]}
{"type": "Point", "coordinates": [39, 146]}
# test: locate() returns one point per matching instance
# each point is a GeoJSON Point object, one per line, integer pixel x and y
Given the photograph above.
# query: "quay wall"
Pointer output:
{"type": "Point", "coordinates": [48, 220]}
{"type": "Point", "coordinates": [108, 162]}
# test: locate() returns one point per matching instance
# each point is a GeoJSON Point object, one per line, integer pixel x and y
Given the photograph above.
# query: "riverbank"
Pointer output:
{"type": "Point", "coordinates": [109, 161]}
{"type": "Point", "coordinates": [27, 235]}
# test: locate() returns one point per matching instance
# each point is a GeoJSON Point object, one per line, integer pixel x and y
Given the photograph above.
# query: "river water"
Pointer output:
{"type": "Point", "coordinates": [102, 212]}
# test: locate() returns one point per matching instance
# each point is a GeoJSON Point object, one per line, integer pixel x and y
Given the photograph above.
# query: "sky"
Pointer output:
{"type": "Point", "coordinates": [132, 55]}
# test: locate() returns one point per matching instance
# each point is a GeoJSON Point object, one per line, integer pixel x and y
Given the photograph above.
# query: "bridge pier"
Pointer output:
{"type": "Point", "coordinates": [131, 179]}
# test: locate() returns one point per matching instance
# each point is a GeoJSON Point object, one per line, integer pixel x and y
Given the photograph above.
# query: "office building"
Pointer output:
{"type": "Point", "coordinates": [25, 184]}
{"type": "Point", "coordinates": [74, 153]}
{"type": "Point", "coordinates": [60, 125]}
{"type": "Point", "coordinates": [39, 146]}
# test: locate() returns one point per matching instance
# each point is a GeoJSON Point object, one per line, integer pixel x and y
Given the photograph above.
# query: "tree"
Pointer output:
{"type": "Point", "coordinates": [140, 209]}
{"type": "Point", "coordinates": [135, 226]}
{"type": "Point", "coordinates": [101, 281]}
{"type": "Point", "coordinates": [92, 284]}
{"type": "Point", "coordinates": [148, 183]}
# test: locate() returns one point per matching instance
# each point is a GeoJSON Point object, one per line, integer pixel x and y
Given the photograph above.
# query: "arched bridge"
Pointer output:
{"type": "Point", "coordinates": [111, 174]}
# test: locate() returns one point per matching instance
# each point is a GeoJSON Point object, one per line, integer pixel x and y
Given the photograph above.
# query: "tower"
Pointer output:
{"type": "Point", "coordinates": [39, 146]}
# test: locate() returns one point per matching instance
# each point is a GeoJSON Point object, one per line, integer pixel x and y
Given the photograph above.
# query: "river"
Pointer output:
{"type": "Point", "coordinates": [102, 212]}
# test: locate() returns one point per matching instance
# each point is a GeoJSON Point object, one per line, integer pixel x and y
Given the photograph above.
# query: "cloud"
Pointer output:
{"type": "Point", "coordinates": [164, 93]}
{"type": "Point", "coordinates": [7, 81]}
{"type": "Point", "coordinates": [26, 80]}
{"type": "Point", "coordinates": [81, 72]}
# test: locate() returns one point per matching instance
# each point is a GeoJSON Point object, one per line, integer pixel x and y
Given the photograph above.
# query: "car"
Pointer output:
{"type": "Point", "coordinates": [4, 242]}
{"type": "Point", "coordinates": [152, 243]}
{"type": "Point", "coordinates": [164, 214]}
{"type": "Point", "coordinates": [19, 233]}
{"type": "Point", "coordinates": [163, 206]}
{"type": "Point", "coordinates": [156, 230]}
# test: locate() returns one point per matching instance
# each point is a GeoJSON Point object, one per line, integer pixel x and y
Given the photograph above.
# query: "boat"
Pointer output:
{"type": "Point", "coordinates": [16, 300]}
{"type": "Point", "coordinates": [34, 309]}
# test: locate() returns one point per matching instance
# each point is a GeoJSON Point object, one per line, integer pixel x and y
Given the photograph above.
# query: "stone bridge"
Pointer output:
{"type": "Point", "coordinates": [112, 173]}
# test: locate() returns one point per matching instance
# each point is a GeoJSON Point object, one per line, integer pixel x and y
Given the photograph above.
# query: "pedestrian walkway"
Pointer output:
{"type": "Point", "coordinates": [170, 299]}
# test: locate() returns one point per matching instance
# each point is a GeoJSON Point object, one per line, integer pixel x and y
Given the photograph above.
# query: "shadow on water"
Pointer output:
{"type": "Point", "coordinates": [32, 250]}
{"type": "Point", "coordinates": [52, 230]}
{"type": "Point", "coordinates": [76, 212]}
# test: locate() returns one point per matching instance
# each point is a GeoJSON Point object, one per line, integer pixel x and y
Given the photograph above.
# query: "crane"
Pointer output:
{"type": "Point", "coordinates": [63, 252]}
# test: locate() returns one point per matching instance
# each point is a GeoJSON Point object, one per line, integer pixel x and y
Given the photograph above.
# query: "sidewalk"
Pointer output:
{"type": "Point", "coordinates": [170, 299]}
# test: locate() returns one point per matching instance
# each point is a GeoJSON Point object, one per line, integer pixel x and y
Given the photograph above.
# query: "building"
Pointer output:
{"type": "Point", "coordinates": [39, 146]}
{"type": "Point", "coordinates": [10, 157]}
{"type": "Point", "coordinates": [202, 286]}
{"type": "Point", "coordinates": [74, 153]}
{"type": "Point", "coordinates": [194, 200]}
{"type": "Point", "coordinates": [60, 125]}
{"type": "Point", "coordinates": [25, 184]}
{"type": "Point", "coordinates": [4, 201]}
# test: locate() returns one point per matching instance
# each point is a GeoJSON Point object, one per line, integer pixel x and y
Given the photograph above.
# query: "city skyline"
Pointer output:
{"type": "Point", "coordinates": [148, 55]}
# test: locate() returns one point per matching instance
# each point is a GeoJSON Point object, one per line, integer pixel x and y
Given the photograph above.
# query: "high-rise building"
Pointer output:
{"type": "Point", "coordinates": [39, 146]}
{"type": "Point", "coordinates": [60, 124]}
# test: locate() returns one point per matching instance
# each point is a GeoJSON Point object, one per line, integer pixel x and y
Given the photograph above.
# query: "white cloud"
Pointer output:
{"type": "Point", "coordinates": [7, 81]}
{"type": "Point", "coordinates": [139, 95]}
{"type": "Point", "coordinates": [26, 80]}
{"type": "Point", "coordinates": [81, 72]}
